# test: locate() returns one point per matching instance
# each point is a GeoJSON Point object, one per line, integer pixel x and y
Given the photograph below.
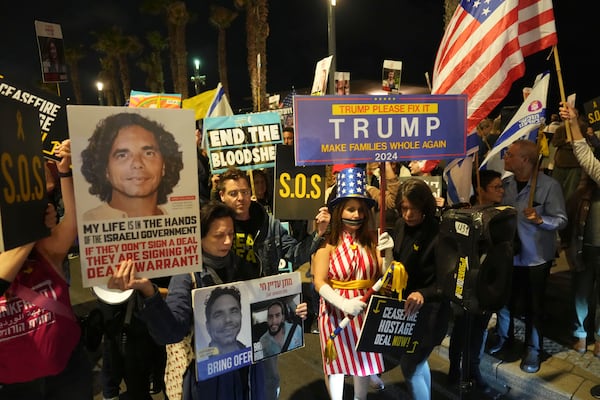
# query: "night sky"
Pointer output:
{"type": "Point", "coordinates": [368, 32]}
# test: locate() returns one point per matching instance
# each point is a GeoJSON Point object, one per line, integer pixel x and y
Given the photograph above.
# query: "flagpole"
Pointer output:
{"type": "Point", "coordinates": [477, 178]}
{"type": "Point", "coordinates": [561, 87]}
{"type": "Point", "coordinates": [258, 66]}
{"type": "Point", "coordinates": [382, 185]}
{"type": "Point", "coordinates": [251, 176]}
{"type": "Point", "coordinates": [536, 170]}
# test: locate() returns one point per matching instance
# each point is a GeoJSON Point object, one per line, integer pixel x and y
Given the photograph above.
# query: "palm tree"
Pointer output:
{"type": "Point", "coordinates": [449, 8]}
{"type": "Point", "coordinates": [177, 18]}
{"type": "Point", "coordinates": [72, 57]}
{"type": "Point", "coordinates": [152, 64]}
{"type": "Point", "coordinates": [118, 46]}
{"type": "Point", "coordinates": [108, 75]}
{"type": "Point", "coordinates": [257, 31]}
{"type": "Point", "coordinates": [221, 18]}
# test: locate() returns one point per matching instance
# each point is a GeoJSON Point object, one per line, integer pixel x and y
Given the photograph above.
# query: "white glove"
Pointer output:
{"type": "Point", "coordinates": [386, 243]}
{"type": "Point", "coordinates": [352, 306]}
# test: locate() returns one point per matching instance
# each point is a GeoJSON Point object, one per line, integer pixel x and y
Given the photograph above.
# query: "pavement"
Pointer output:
{"type": "Point", "coordinates": [564, 373]}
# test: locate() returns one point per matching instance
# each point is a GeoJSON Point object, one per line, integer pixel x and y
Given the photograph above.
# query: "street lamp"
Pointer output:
{"type": "Point", "coordinates": [100, 86]}
{"type": "Point", "coordinates": [197, 78]}
{"type": "Point", "coordinates": [331, 43]}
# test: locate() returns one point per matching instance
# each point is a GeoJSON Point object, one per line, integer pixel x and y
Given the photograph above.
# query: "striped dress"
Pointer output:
{"type": "Point", "coordinates": [348, 262]}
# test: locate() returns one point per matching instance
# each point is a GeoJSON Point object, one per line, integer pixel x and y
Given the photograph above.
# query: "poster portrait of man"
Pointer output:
{"type": "Point", "coordinates": [276, 328]}
{"type": "Point", "coordinates": [221, 329]}
{"type": "Point", "coordinates": [136, 190]}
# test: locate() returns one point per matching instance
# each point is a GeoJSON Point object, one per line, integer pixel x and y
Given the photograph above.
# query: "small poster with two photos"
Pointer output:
{"type": "Point", "coordinates": [241, 323]}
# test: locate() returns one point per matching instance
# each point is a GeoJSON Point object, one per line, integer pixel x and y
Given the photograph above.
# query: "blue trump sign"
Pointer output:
{"type": "Point", "coordinates": [363, 128]}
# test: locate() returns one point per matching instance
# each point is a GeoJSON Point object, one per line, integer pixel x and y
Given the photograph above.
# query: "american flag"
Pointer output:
{"type": "Point", "coordinates": [483, 49]}
{"type": "Point", "coordinates": [288, 100]}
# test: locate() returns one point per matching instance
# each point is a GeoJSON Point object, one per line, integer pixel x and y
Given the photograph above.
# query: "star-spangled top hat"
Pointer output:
{"type": "Point", "coordinates": [351, 183]}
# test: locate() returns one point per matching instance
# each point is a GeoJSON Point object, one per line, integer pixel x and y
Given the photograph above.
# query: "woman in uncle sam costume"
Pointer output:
{"type": "Point", "coordinates": [345, 268]}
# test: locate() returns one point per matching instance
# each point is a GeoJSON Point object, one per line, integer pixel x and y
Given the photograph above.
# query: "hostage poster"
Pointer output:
{"type": "Point", "coordinates": [238, 324]}
{"type": "Point", "coordinates": [136, 190]}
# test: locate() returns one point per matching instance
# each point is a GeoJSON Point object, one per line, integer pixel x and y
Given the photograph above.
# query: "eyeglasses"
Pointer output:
{"type": "Point", "coordinates": [507, 153]}
{"type": "Point", "coordinates": [234, 193]}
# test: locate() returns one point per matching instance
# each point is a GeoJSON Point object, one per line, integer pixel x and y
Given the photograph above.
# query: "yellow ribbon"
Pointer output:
{"type": "Point", "coordinates": [399, 278]}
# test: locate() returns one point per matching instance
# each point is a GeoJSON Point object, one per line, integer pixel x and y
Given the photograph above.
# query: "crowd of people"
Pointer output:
{"type": "Point", "coordinates": [242, 240]}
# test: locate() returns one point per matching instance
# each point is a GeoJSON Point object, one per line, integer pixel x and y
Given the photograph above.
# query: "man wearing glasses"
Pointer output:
{"type": "Point", "coordinates": [262, 241]}
{"type": "Point", "coordinates": [539, 202]}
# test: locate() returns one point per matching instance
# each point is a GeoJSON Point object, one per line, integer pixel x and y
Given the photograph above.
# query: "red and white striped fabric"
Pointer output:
{"type": "Point", "coordinates": [483, 49]}
{"type": "Point", "coordinates": [348, 262]}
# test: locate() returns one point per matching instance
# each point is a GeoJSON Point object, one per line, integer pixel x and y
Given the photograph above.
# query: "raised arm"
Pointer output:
{"type": "Point", "coordinates": [583, 152]}
{"type": "Point", "coordinates": [56, 246]}
{"type": "Point", "coordinates": [10, 264]}
{"type": "Point", "coordinates": [569, 114]}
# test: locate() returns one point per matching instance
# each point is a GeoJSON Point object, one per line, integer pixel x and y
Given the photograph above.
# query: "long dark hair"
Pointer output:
{"type": "Point", "coordinates": [363, 235]}
{"type": "Point", "coordinates": [95, 156]}
{"type": "Point", "coordinates": [419, 194]}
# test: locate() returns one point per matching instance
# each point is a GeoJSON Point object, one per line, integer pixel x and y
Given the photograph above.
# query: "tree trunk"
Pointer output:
{"type": "Point", "coordinates": [257, 31]}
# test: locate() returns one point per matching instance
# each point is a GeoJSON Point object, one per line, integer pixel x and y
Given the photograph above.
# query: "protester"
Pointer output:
{"type": "Point", "coordinates": [263, 189]}
{"type": "Point", "coordinates": [46, 360]}
{"type": "Point", "coordinates": [132, 165]}
{"type": "Point", "coordinates": [537, 224]}
{"type": "Point", "coordinates": [585, 263]}
{"type": "Point", "coordinates": [344, 269]}
{"type": "Point", "coordinates": [262, 241]}
{"type": "Point", "coordinates": [566, 169]}
{"type": "Point", "coordinates": [487, 136]}
{"type": "Point", "coordinates": [171, 319]}
{"type": "Point", "coordinates": [129, 353]}
{"type": "Point", "coordinates": [415, 239]}
{"type": "Point", "coordinates": [547, 163]}
{"type": "Point", "coordinates": [288, 135]}
{"type": "Point", "coordinates": [204, 184]}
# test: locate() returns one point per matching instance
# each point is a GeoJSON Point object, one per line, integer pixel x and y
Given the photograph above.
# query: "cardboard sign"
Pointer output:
{"type": "Point", "coordinates": [387, 329]}
{"type": "Point", "coordinates": [154, 100]}
{"type": "Point", "coordinates": [23, 199]}
{"type": "Point", "coordinates": [592, 112]}
{"type": "Point", "coordinates": [164, 242]}
{"type": "Point", "coordinates": [319, 86]}
{"type": "Point", "coordinates": [52, 52]}
{"type": "Point", "coordinates": [392, 72]}
{"type": "Point", "coordinates": [244, 141]}
{"type": "Point", "coordinates": [356, 129]}
{"type": "Point", "coordinates": [299, 191]}
{"type": "Point", "coordinates": [52, 115]}
{"type": "Point", "coordinates": [220, 350]}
